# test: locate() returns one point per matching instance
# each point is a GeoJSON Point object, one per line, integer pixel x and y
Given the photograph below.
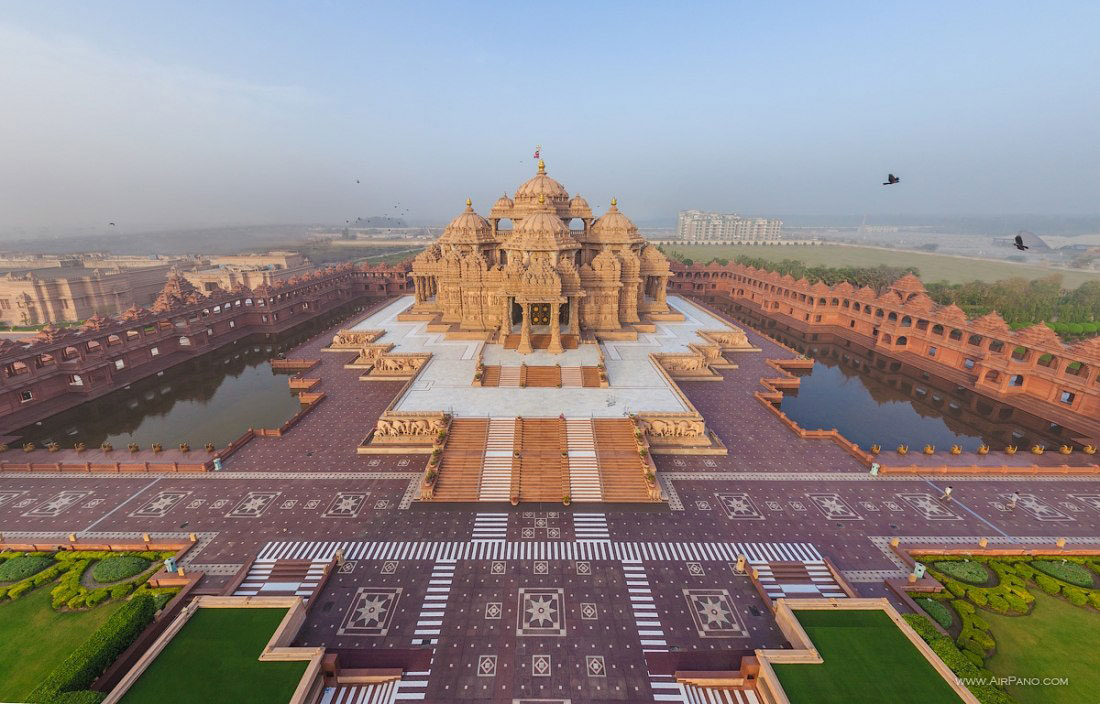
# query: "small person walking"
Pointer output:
{"type": "Point", "coordinates": [1013, 501]}
{"type": "Point", "coordinates": [946, 494]}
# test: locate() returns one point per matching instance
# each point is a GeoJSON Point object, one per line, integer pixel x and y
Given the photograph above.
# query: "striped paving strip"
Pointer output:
{"type": "Point", "coordinates": [382, 693]}
{"type": "Point", "coordinates": [650, 633]}
{"type": "Point", "coordinates": [584, 468]}
{"type": "Point", "coordinates": [541, 550]}
{"type": "Point", "coordinates": [571, 377]}
{"type": "Point", "coordinates": [509, 376]}
{"type": "Point", "coordinates": [590, 526]}
{"type": "Point", "coordinates": [430, 622]}
{"type": "Point", "coordinates": [492, 527]}
{"type": "Point", "coordinates": [496, 465]}
{"type": "Point", "coordinates": [712, 695]}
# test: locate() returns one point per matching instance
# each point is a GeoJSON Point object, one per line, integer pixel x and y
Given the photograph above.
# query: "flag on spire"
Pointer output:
{"type": "Point", "coordinates": [538, 148]}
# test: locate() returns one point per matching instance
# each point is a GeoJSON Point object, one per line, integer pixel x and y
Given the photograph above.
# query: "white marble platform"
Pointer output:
{"type": "Point", "coordinates": [636, 384]}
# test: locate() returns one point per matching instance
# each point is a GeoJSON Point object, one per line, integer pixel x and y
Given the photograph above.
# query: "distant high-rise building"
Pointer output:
{"type": "Point", "coordinates": [697, 226]}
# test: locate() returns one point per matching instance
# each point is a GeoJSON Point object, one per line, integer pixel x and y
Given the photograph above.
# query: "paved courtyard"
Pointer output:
{"type": "Point", "coordinates": [541, 601]}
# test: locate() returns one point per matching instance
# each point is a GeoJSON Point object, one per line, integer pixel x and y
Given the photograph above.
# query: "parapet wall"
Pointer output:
{"type": "Point", "coordinates": [1031, 368]}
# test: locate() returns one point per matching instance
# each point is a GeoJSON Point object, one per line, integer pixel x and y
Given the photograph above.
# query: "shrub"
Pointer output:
{"type": "Point", "coordinates": [964, 570]}
{"type": "Point", "coordinates": [97, 597]}
{"type": "Point", "coordinates": [1077, 597]}
{"type": "Point", "coordinates": [1069, 572]}
{"type": "Point", "coordinates": [120, 590]}
{"type": "Point", "coordinates": [998, 603]}
{"type": "Point", "coordinates": [1048, 585]}
{"type": "Point", "coordinates": [937, 610]}
{"type": "Point", "coordinates": [119, 567]}
{"type": "Point", "coordinates": [20, 589]}
{"type": "Point", "coordinates": [92, 657]}
{"type": "Point", "coordinates": [955, 588]}
{"type": "Point", "coordinates": [961, 664]}
{"type": "Point", "coordinates": [978, 596]}
{"type": "Point", "coordinates": [82, 696]}
{"type": "Point", "coordinates": [18, 568]}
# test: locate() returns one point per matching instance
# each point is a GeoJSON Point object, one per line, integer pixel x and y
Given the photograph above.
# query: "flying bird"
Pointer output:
{"type": "Point", "coordinates": [891, 180]}
{"type": "Point", "coordinates": [1020, 243]}
{"type": "Point", "coordinates": [111, 224]}
{"type": "Point", "coordinates": [357, 180]}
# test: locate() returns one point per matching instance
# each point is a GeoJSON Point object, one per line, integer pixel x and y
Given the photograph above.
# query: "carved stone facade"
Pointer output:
{"type": "Point", "coordinates": [541, 276]}
{"type": "Point", "coordinates": [1031, 368]}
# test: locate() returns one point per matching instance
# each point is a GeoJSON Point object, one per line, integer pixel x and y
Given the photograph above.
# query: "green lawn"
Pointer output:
{"type": "Point", "coordinates": [933, 267]}
{"type": "Point", "coordinates": [867, 661]}
{"type": "Point", "coordinates": [214, 659]}
{"type": "Point", "coordinates": [1057, 639]}
{"type": "Point", "coordinates": [34, 639]}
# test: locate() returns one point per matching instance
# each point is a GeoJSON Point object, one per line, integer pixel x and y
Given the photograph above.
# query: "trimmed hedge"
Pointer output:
{"type": "Point", "coordinates": [18, 568]}
{"type": "Point", "coordinates": [82, 696]}
{"type": "Point", "coordinates": [95, 655]}
{"type": "Point", "coordinates": [957, 661]}
{"type": "Point", "coordinates": [940, 613]}
{"type": "Point", "coordinates": [1069, 572]}
{"type": "Point", "coordinates": [965, 571]}
{"type": "Point", "coordinates": [119, 567]}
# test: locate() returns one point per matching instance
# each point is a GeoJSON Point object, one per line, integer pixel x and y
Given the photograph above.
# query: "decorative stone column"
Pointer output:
{"type": "Point", "coordinates": [555, 330]}
{"type": "Point", "coordinates": [506, 319]}
{"type": "Point", "coordinates": [525, 331]}
{"type": "Point", "coordinates": [418, 288]}
{"type": "Point", "coordinates": [662, 284]}
{"type": "Point", "coordinates": [575, 315]}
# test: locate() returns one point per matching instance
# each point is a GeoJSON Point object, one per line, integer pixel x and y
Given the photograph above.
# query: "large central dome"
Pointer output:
{"type": "Point", "coordinates": [541, 185]}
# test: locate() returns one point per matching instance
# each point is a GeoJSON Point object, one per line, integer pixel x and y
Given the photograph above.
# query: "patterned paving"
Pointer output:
{"type": "Point", "coordinates": [539, 550]}
{"type": "Point", "coordinates": [544, 602]}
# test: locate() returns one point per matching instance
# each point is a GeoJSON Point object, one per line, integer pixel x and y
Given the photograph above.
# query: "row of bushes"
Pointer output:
{"type": "Point", "coordinates": [69, 566]}
{"type": "Point", "coordinates": [95, 655]}
{"type": "Point", "coordinates": [958, 662]}
{"type": "Point", "coordinates": [1010, 595]}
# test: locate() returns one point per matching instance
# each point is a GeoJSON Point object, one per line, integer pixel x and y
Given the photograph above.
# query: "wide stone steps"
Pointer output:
{"type": "Point", "coordinates": [461, 466]}
{"type": "Point", "coordinates": [572, 377]}
{"type": "Point", "coordinates": [508, 376]}
{"type": "Point", "coordinates": [541, 459]}
{"type": "Point", "coordinates": [584, 470]}
{"type": "Point", "coordinates": [542, 472]}
{"type": "Point", "coordinates": [496, 472]}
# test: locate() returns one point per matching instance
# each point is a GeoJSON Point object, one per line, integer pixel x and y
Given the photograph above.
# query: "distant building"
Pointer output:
{"type": "Point", "coordinates": [697, 226]}
{"type": "Point", "coordinates": [52, 289]}
{"type": "Point", "coordinates": [248, 270]}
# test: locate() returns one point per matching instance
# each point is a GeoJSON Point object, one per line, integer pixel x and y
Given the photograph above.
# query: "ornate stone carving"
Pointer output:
{"type": "Point", "coordinates": [354, 339]}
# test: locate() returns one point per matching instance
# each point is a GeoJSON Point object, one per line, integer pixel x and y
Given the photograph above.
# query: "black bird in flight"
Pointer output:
{"type": "Point", "coordinates": [1020, 243]}
{"type": "Point", "coordinates": [891, 180]}
{"type": "Point", "coordinates": [357, 180]}
{"type": "Point", "coordinates": [111, 224]}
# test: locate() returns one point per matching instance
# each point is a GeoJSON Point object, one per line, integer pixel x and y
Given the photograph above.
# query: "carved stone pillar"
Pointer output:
{"type": "Point", "coordinates": [662, 284]}
{"type": "Point", "coordinates": [418, 289]}
{"type": "Point", "coordinates": [555, 330]}
{"type": "Point", "coordinates": [506, 317]}
{"type": "Point", "coordinates": [575, 316]}
{"type": "Point", "coordinates": [525, 331]}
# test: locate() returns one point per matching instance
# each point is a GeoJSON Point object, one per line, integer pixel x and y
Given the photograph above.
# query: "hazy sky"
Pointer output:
{"type": "Point", "coordinates": [203, 113]}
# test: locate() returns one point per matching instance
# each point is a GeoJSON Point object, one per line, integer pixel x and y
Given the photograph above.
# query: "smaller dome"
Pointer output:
{"type": "Point", "coordinates": [502, 208]}
{"type": "Point", "coordinates": [541, 185]}
{"type": "Point", "coordinates": [579, 208]}
{"type": "Point", "coordinates": [467, 228]}
{"type": "Point", "coordinates": [613, 226]}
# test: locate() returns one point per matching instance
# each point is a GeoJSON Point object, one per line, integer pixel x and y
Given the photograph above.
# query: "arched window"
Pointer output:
{"type": "Point", "coordinates": [893, 317]}
{"type": "Point", "coordinates": [902, 341]}
{"type": "Point", "coordinates": [906, 321]}
{"type": "Point", "coordinates": [937, 330]}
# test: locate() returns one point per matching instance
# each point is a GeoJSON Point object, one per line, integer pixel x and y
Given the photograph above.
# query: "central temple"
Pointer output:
{"type": "Point", "coordinates": [541, 270]}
